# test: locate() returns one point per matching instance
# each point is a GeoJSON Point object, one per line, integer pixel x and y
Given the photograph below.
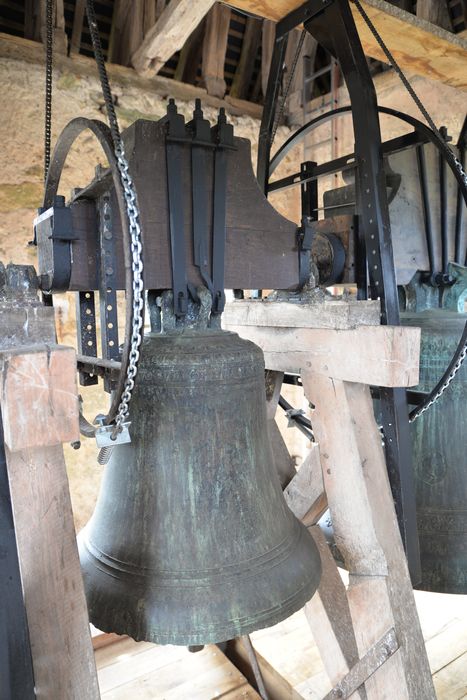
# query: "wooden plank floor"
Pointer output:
{"type": "Point", "coordinates": [143, 671]}
{"type": "Point", "coordinates": [130, 670]}
{"type": "Point", "coordinates": [290, 649]}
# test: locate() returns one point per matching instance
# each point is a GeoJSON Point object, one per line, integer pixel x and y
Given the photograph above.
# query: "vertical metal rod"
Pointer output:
{"type": "Point", "coordinates": [421, 163]}
{"type": "Point", "coordinates": [255, 666]}
{"type": "Point", "coordinates": [309, 191]}
{"type": "Point", "coordinates": [460, 209]}
{"type": "Point", "coordinates": [443, 203]}
{"type": "Point", "coordinates": [269, 111]}
{"type": "Point", "coordinates": [16, 674]}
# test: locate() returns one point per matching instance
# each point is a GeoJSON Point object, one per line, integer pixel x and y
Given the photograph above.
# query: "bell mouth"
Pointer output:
{"type": "Point", "coordinates": [158, 607]}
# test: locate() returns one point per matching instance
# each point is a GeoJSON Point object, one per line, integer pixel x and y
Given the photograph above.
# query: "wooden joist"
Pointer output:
{"type": "Point", "coordinates": [214, 48]}
{"type": "Point", "coordinates": [246, 64]}
{"type": "Point", "coordinates": [168, 34]}
{"type": "Point", "coordinates": [78, 20]}
{"type": "Point", "coordinates": [416, 44]}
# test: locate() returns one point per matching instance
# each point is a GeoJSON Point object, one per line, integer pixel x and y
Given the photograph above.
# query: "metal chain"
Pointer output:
{"type": "Point", "coordinates": [450, 155]}
{"type": "Point", "coordinates": [288, 86]}
{"type": "Point", "coordinates": [49, 22]}
{"type": "Point", "coordinates": [445, 381]}
{"type": "Point", "coordinates": [131, 203]}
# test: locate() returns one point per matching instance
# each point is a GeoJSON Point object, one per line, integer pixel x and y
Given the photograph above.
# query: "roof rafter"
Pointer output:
{"type": "Point", "coordinates": [168, 34]}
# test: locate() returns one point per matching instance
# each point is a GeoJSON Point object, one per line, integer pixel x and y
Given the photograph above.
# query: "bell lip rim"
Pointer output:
{"type": "Point", "coordinates": [234, 627]}
{"type": "Point", "coordinates": [267, 619]}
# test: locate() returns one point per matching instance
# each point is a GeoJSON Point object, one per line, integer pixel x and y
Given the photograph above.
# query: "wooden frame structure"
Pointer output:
{"type": "Point", "coordinates": [369, 635]}
{"type": "Point", "coordinates": [39, 412]}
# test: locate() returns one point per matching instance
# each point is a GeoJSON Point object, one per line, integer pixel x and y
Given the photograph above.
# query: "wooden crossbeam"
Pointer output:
{"type": "Point", "coordinates": [416, 44]}
{"type": "Point", "coordinates": [168, 34]}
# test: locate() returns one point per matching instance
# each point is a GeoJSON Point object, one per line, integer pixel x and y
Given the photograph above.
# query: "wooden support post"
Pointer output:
{"type": "Point", "coordinates": [214, 48]}
{"type": "Point", "coordinates": [365, 526]}
{"type": "Point", "coordinates": [328, 614]}
{"type": "Point", "coordinates": [39, 407]}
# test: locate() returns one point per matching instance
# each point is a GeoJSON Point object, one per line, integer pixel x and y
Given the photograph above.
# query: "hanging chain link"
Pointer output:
{"type": "Point", "coordinates": [418, 411]}
{"type": "Point", "coordinates": [49, 41]}
{"type": "Point", "coordinates": [131, 203]}
{"type": "Point", "coordinates": [461, 351]}
{"type": "Point", "coordinates": [293, 67]}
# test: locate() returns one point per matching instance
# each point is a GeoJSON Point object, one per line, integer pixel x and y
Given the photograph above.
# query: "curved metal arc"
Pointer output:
{"type": "Point", "coordinates": [62, 148]}
{"type": "Point", "coordinates": [323, 118]}
{"type": "Point", "coordinates": [430, 136]}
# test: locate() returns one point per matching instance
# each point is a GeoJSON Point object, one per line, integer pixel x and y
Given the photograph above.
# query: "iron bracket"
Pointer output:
{"type": "Point", "coordinates": [222, 134]}
{"type": "Point", "coordinates": [176, 137]}
{"type": "Point", "coordinates": [305, 235]}
{"type": "Point", "coordinates": [365, 667]}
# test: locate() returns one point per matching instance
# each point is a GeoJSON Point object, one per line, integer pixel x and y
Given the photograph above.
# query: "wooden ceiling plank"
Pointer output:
{"type": "Point", "coordinates": [417, 45]}
{"type": "Point", "coordinates": [168, 34]}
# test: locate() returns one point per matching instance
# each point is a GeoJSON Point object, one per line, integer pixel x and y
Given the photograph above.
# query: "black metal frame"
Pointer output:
{"type": "Point", "coordinates": [331, 23]}
{"type": "Point", "coordinates": [16, 672]}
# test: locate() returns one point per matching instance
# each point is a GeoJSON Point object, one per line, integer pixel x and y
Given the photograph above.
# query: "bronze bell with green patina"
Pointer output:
{"type": "Point", "coordinates": [191, 541]}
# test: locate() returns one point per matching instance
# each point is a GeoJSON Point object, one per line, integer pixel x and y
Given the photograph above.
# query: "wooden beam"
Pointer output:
{"type": "Point", "coordinates": [214, 48]}
{"type": "Point", "coordinates": [416, 44]}
{"type": "Point", "coordinates": [331, 313]}
{"type": "Point", "coordinates": [305, 492]}
{"type": "Point", "coordinates": [77, 30]}
{"type": "Point", "coordinates": [267, 47]}
{"type": "Point", "coordinates": [328, 615]}
{"type": "Point", "coordinates": [29, 19]}
{"type": "Point", "coordinates": [365, 527]}
{"type": "Point", "coordinates": [190, 55]}
{"type": "Point", "coordinates": [43, 377]}
{"type": "Point", "coordinates": [246, 64]}
{"type": "Point", "coordinates": [168, 34]}
{"type": "Point", "coordinates": [436, 12]}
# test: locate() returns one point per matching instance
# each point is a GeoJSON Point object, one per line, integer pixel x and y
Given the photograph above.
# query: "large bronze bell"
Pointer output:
{"type": "Point", "coordinates": [191, 541]}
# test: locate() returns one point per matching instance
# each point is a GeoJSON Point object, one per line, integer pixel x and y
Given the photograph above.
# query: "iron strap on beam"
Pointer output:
{"type": "Point", "coordinates": [365, 667]}
{"type": "Point", "coordinates": [175, 140]}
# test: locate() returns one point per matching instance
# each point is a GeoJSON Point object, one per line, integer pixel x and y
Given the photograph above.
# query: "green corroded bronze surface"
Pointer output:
{"type": "Point", "coordinates": [191, 541]}
{"type": "Point", "coordinates": [440, 456]}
